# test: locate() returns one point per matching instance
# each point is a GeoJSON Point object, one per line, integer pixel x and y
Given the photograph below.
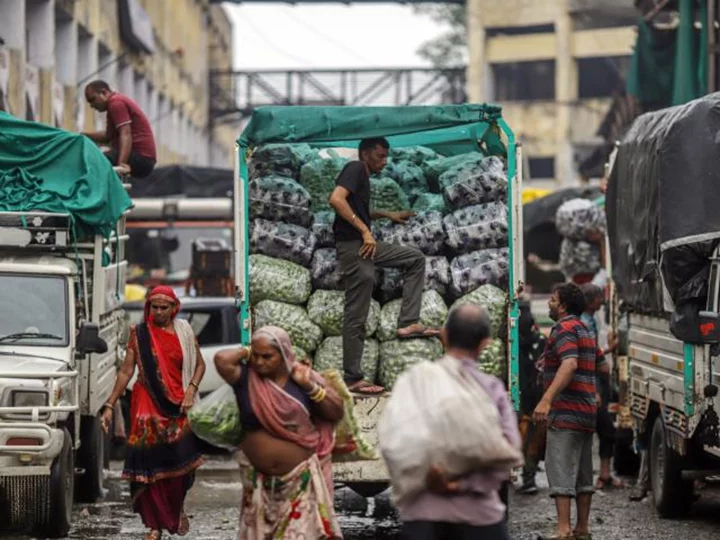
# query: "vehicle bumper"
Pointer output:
{"type": "Point", "coordinates": [49, 443]}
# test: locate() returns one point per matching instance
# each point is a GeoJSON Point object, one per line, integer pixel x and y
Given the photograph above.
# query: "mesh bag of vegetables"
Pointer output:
{"type": "Point", "coordinates": [279, 198]}
{"type": "Point", "coordinates": [293, 319]}
{"type": "Point", "coordinates": [275, 279]}
{"type": "Point", "coordinates": [579, 257]}
{"type": "Point", "coordinates": [493, 359]}
{"type": "Point", "coordinates": [580, 219]}
{"type": "Point", "coordinates": [399, 354]}
{"type": "Point", "coordinates": [473, 186]}
{"type": "Point", "coordinates": [477, 227]}
{"type": "Point", "coordinates": [471, 167]}
{"type": "Point", "coordinates": [482, 267]}
{"type": "Point", "coordinates": [330, 356]}
{"type": "Point", "coordinates": [430, 202]}
{"type": "Point", "coordinates": [350, 443]}
{"type": "Point", "coordinates": [386, 195]}
{"type": "Point", "coordinates": [318, 177]}
{"type": "Point", "coordinates": [424, 231]}
{"type": "Point", "coordinates": [325, 270]}
{"type": "Point", "coordinates": [281, 159]}
{"type": "Point", "coordinates": [326, 309]}
{"type": "Point", "coordinates": [437, 278]}
{"type": "Point", "coordinates": [410, 178]}
{"type": "Point", "coordinates": [216, 418]}
{"type": "Point", "coordinates": [419, 155]}
{"type": "Point", "coordinates": [435, 169]}
{"type": "Point", "coordinates": [494, 300]}
{"type": "Point", "coordinates": [283, 241]}
{"type": "Point", "coordinates": [432, 314]}
{"type": "Point", "coordinates": [322, 228]}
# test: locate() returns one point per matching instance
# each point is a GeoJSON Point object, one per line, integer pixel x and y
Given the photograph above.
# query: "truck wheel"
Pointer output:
{"type": "Point", "coordinates": [59, 498]}
{"type": "Point", "coordinates": [672, 496]}
{"type": "Point", "coordinates": [91, 457]}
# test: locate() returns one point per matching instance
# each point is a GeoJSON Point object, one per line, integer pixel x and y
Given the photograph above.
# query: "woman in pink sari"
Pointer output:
{"type": "Point", "coordinates": [288, 417]}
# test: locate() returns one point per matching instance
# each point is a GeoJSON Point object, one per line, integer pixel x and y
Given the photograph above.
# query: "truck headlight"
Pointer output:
{"type": "Point", "coordinates": [29, 398]}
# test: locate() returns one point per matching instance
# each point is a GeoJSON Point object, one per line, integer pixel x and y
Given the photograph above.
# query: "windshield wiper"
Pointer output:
{"type": "Point", "coordinates": [23, 335]}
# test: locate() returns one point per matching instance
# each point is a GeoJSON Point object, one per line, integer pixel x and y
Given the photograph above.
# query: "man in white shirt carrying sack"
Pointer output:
{"type": "Point", "coordinates": [445, 504]}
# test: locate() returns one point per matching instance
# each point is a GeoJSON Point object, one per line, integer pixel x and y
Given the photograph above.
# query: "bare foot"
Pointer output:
{"type": "Point", "coordinates": [417, 330]}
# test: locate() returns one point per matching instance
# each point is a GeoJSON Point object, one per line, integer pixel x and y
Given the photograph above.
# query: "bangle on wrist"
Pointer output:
{"type": "Point", "coordinates": [108, 405]}
{"type": "Point", "coordinates": [193, 383]}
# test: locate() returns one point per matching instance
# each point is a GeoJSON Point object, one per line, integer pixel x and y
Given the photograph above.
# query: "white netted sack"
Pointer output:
{"type": "Point", "coordinates": [438, 416]}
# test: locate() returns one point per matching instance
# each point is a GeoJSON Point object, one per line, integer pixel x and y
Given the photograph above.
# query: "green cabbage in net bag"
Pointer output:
{"type": "Point", "coordinates": [279, 198]}
{"type": "Point", "coordinates": [410, 178]}
{"type": "Point", "coordinates": [473, 183]}
{"type": "Point", "coordinates": [493, 359]}
{"type": "Point", "coordinates": [432, 314]}
{"type": "Point", "coordinates": [430, 202]}
{"type": "Point", "coordinates": [216, 419]}
{"type": "Point", "coordinates": [386, 195]}
{"type": "Point", "coordinates": [318, 177]}
{"type": "Point", "coordinates": [482, 226]}
{"type": "Point", "coordinates": [419, 155]}
{"type": "Point", "coordinates": [436, 168]}
{"type": "Point", "coordinates": [301, 354]}
{"type": "Point", "coordinates": [494, 300]}
{"type": "Point", "coordinates": [283, 241]}
{"type": "Point", "coordinates": [330, 356]}
{"type": "Point", "coordinates": [275, 279]}
{"type": "Point", "coordinates": [325, 270]}
{"type": "Point", "coordinates": [282, 159]}
{"type": "Point", "coordinates": [437, 278]}
{"type": "Point", "coordinates": [399, 354]}
{"type": "Point", "coordinates": [322, 228]}
{"type": "Point", "coordinates": [482, 267]}
{"type": "Point", "coordinates": [425, 232]}
{"type": "Point", "coordinates": [326, 309]}
{"type": "Point", "coordinates": [293, 319]}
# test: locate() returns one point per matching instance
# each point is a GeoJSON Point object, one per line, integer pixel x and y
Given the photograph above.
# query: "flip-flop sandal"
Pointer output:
{"type": "Point", "coordinates": [365, 388]}
{"type": "Point", "coordinates": [424, 333]}
{"type": "Point", "coordinates": [608, 483]}
{"type": "Point", "coordinates": [153, 535]}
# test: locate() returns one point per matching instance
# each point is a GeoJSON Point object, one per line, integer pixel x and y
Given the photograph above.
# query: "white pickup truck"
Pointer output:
{"type": "Point", "coordinates": [60, 326]}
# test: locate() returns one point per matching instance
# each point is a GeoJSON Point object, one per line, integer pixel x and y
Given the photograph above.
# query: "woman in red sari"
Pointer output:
{"type": "Point", "coordinates": [288, 417]}
{"type": "Point", "coordinates": [162, 451]}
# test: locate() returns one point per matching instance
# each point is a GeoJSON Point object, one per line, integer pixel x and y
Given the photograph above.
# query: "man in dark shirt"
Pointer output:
{"type": "Point", "coordinates": [359, 253]}
{"type": "Point", "coordinates": [128, 130]}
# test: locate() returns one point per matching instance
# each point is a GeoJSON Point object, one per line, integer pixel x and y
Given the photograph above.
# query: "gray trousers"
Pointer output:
{"type": "Point", "coordinates": [568, 462]}
{"type": "Point", "coordinates": [359, 280]}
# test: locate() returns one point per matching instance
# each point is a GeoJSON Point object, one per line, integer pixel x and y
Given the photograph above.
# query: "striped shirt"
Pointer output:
{"type": "Point", "coordinates": [575, 407]}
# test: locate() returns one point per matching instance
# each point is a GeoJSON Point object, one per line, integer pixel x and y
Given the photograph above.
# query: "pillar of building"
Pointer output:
{"type": "Point", "coordinates": [566, 93]}
{"type": "Point", "coordinates": [40, 53]}
{"type": "Point", "coordinates": [476, 70]}
{"type": "Point", "coordinates": [87, 67]}
{"type": "Point", "coordinates": [12, 70]}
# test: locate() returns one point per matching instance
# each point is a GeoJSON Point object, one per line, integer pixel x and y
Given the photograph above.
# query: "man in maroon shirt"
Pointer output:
{"type": "Point", "coordinates": [128, 130]}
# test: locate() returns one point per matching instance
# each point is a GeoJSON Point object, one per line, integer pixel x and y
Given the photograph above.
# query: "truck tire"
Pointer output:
{"type": "Point", "coordinates": [55, 523]}
{"type": "Point", "coordinates": [672, 496]}
{"type": "Point", "coordinates": [91, 458]}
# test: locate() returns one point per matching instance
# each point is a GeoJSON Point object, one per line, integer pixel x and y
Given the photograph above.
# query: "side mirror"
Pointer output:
{"type": "Point", "coordinates": [89, 340]}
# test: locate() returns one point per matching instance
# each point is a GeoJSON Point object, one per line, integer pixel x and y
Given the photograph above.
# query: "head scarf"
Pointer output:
{"type": "Point", "coordinates": [165, 293]}
{"type": "Point", "coordinates": [279, 339]}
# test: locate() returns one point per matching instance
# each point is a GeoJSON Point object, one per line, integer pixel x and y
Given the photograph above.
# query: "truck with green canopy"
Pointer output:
{"type": "Point", "coordinates": [62, 282]}
{"type": "Point", "coordinates": [448, 130]}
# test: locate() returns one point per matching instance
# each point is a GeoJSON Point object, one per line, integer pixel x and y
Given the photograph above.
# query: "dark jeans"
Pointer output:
{"type": "Point", "coordinates": [359, 280]}
{"type": "Point", "coordinates": [433, 530]}
{"type": "Point", "coordinates": [140, 166]}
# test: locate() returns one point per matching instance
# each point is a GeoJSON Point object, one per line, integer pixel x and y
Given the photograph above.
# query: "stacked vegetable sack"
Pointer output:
{"type": "Point", "coordinates": [461, 227]}
{"type": "Point", "coordinates": [580, 222]}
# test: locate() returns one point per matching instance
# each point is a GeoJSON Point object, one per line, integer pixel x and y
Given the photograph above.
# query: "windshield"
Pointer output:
{"type": "Point", "coordinates": [33, 310]}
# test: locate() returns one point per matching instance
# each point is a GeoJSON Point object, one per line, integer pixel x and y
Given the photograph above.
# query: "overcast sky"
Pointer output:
{"type": "Point", "coordinates": [328, 35]}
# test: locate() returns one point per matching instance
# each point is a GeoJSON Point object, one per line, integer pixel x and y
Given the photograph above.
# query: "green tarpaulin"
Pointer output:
{"type": "Point", "coordinates": [48, 169]}
{"type": "Point", "coordinates": [448, 129]}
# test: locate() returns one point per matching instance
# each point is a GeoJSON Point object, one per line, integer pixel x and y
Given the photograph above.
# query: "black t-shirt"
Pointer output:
{"type": "Point", "coordinates": [354, 177]}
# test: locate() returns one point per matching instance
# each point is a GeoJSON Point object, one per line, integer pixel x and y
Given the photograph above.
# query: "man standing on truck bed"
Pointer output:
{"type": "Point", "coordinates": [359, 253]}
{"type": "Point", "coordinates": [128, 130]}
{"type": "Point", "coordinates": [571, 362]}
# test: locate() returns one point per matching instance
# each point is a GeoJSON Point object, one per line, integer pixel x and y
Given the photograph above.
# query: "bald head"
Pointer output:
{"type": "Point", "coordinates": [467, 327]}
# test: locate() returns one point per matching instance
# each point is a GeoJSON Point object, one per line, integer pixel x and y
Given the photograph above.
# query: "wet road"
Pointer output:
{"type": "Point", "coordinates": [213, 501]}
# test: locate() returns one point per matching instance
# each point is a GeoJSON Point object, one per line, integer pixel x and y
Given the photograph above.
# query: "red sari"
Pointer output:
{"type": "Point", "coordinates": [162, 450]}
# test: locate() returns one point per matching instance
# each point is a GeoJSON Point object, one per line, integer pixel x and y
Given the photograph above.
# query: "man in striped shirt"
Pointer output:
{"type": "Point", "coordinates": [569, 407]}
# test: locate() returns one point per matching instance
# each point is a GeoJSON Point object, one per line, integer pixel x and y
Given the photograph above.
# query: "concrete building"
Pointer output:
{"type": "Point", "coordinates": [159, 52]}
{"type": "Point", "coordinates": [554, 66]}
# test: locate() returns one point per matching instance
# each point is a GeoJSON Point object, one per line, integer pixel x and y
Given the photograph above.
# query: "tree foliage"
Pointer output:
{"type": "Point", "coordinates": [449, 48]}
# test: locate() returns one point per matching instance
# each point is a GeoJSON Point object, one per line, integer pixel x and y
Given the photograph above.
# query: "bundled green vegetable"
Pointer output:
{"type": "Point", "coordinates": [410, 178]}
{"type": "Point", "coordinates": [301, 354]}
{"type": "Point", "coordinates": [436, 168]}
{"type": "Point", "coordinates": [474, 183]}
{"type": "Point", "coordinates": [322, 227]}
{"type": "Point", "coordinates": [495, 301]}
{"type": "Point", "coordinates": [330, 356]}
{"type": "Point", "coordinates": [437, 278]}
{"type": "Point", "coordinates": [216, 419]}
{"type": "Point", "coordinates": [493, 359]}
{"type": "Point", "coordinates": [482, 226]}
{"type": "Point", "coordinates": [318, 177]}
{"type": "Point", "coordinates": [279, 198]}
{"type": "Point", "coordinates": [275, 279]}
{"type": "Point", "coordinates": [430, 202]}
{"type": "Point", "coordinates": [419, 155]}
{"type": "Point", "coordinates": [386, 195]}
{"type": "Point", "coordinates": [399, 354]}
{"type": "Point", "coordinates": [425, 231]}
{"type": "Point", "coordinates": [432, 314]}
{"type": "Point", "coordinates": [282, 240]}
{"type": "Point", "coordinates": [281, 159]}
{"type": "Point", "coordinates": [325, 270]}
{"type": "Point", "coordinates": [293, 319]}
{"type": "Point", "coordinates": [482, 267]}
{"type": "Point", "coordinates": [326, 309]}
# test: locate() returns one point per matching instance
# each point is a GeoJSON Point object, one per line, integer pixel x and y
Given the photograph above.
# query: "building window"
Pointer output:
{"type": "Point", "coordinates": [519, 30]}
{"type": "Point", "coordinates": [524, 81]}
{"type": "Point", "coordinates": [541, 168]}
{"type": "Point", "coordinates": [601, 77]}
